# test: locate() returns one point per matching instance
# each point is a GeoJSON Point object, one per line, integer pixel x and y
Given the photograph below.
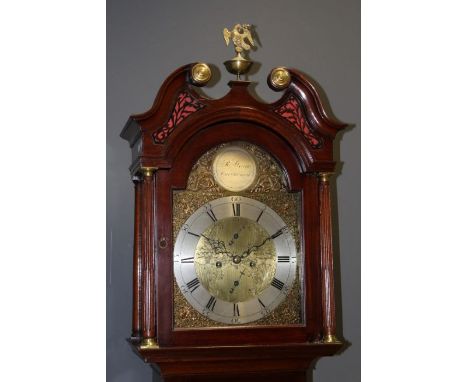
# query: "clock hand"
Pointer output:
{"type": "Point", "coordinates": [248, 251]}
{"type": "Point", "coordinates": [218, 246]}
{"type": "Point", "coordinates": [254, 247]}
{"type": "Point", "coordinates": [236, 284]}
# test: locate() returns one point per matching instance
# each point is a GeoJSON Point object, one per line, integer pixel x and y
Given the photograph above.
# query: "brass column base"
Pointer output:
{"type": "Point", "coordinates": [149, 343]}
{"type": "Point", "coordinates": [331, 339]}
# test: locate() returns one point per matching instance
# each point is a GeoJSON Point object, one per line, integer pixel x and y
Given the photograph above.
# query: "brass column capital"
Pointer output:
{"type": "Point", "coordinates": [325, 176]}
{"type": "Point", "coordinates": [148, 171]}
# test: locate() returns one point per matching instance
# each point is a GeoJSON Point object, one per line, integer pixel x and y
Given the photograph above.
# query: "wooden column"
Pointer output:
{"type": "Point", "coordinates": [137, 261]}
{"type": "Point", "coordinates": [326, 254]}
{"type": "Point", "coordinates": [148, 257]}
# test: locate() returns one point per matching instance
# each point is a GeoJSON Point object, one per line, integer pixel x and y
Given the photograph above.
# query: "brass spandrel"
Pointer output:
{"type": "Point", "coordinates": [287, 313]}
{"type": "Point", "coordinates": [269, 176]}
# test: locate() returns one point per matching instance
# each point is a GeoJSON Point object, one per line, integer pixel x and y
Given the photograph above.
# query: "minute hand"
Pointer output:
{"type": "Point", "coordinates": [248, 251]}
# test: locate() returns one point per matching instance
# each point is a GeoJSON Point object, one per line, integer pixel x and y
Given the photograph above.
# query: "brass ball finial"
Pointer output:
{"type": "Point", "coordinates": [201, 74]}
{"type": "Point", "coordinates": [279, 78]}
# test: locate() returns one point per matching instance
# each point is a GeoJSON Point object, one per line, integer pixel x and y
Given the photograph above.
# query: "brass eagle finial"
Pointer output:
{"type": "Point", "coordinates": [238, 35]}
{"type": "Point", "coordinates": [242, 39]}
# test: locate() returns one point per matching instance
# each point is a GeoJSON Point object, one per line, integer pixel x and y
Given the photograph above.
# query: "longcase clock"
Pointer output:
{"type": "Point", "coordinates": [233, 261]}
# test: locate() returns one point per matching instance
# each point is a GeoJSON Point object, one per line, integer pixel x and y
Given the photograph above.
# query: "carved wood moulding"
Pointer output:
{"type": "Point", "coordinates": [185, 105]}
{"type": "Point", "coordinates": [291, 111]}
{"type": "Point", "coordinates": [179, 113]}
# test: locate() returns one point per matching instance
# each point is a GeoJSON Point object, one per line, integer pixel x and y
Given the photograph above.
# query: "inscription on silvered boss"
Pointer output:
{"type": "Point", "coordinates": [234, 169]}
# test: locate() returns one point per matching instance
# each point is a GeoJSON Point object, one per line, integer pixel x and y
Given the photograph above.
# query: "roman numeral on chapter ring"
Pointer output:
{"type": "Point", "coordinates": [187, 260]}
{"type": "Point", "coordinates": [211, 215]}
{"type": "Point", "coordinates": [277, 283]}
{"type": "Point", "coordinates": [211, 303]}
{"type": "Point", "coordinates": [278, 233]}
{"type": "Point", "coordinates": [194, 284]}
{"type": "Point", "coordinates": [236, 209]}
{"type": "Point", "coordinates": [236, 310]}
{"type": "Point", "coordinates": [259, 216]}
{"type": "Point", "coordinates": [261, 303]}
{"type": "Point", "coordinates": [283, 259]}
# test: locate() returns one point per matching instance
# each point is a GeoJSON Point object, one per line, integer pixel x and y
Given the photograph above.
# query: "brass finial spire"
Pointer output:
{"type": "Point", "coordinates": [243, 41]}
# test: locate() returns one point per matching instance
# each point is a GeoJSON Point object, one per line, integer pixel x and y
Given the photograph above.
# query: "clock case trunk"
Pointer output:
{"type": "Point", "coordinates": [298, 131]}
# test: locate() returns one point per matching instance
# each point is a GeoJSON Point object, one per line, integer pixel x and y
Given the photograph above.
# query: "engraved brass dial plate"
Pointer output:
{"type": "Point", "coordinates": [235, 260]}
{"type": "Point", "coordinates": [235, 267]}
{"type": "Point", "coordinates": [268, 189]}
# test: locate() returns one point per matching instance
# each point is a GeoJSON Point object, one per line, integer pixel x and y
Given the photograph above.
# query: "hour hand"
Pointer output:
{"type": "Point", "coordinates": [218, 246]}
